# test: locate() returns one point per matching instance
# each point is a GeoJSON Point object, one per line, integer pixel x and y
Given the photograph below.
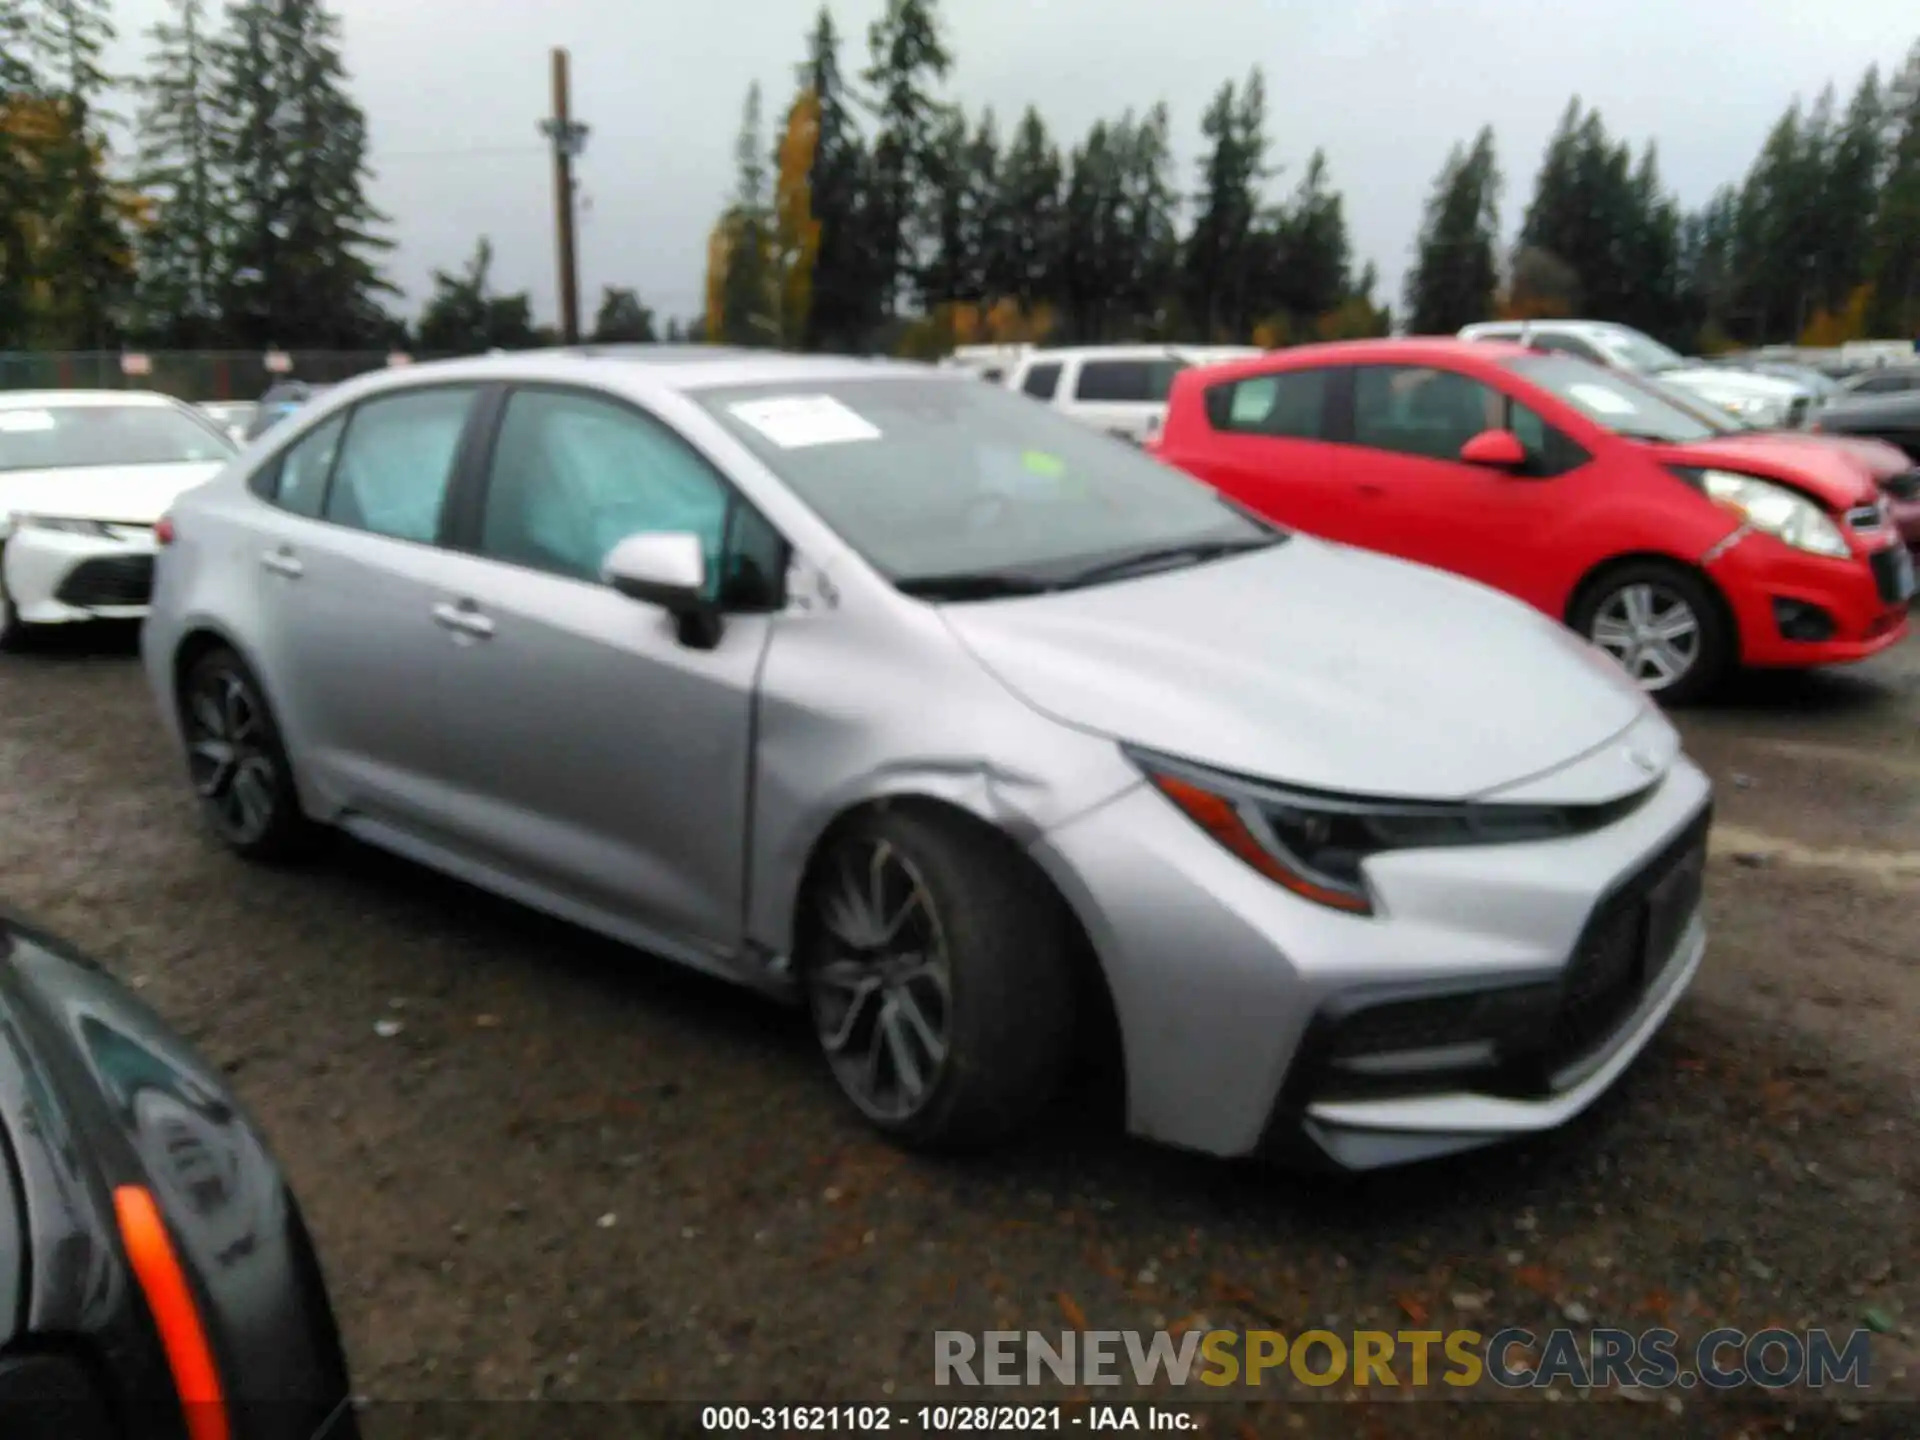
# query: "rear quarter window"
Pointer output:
{"type": "Point", "coordinates": [1285, 406]}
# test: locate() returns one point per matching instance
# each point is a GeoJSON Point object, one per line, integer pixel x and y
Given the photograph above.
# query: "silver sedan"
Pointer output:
{"type": "Point", "coordinates": [979, 733]}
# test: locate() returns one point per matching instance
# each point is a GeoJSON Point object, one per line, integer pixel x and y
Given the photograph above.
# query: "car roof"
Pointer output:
{"type": "Point", "coordinates": [1562, 327]}
{"type": "Point", "coordinates": [671, 367]}
{"type": "Point", "coordinates": [1407, 350]}
{"type": "Point", "coordinates": [1104, 352]}
{"type": "Point", "coordinates": [73, 399]}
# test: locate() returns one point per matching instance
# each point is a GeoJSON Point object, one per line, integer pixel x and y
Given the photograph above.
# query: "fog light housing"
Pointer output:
{"type": "Point", "coordinates": [1420, 1042]}
{"type": "Point", "coordinates": [1798, 620]}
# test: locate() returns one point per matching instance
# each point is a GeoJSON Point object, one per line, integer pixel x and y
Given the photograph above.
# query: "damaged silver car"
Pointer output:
{"type": "Point", "coordinates": [971, 729]}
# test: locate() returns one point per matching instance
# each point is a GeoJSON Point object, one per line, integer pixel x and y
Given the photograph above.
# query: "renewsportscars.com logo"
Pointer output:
{"type": "Point", "coordinates": [1512, 1358]}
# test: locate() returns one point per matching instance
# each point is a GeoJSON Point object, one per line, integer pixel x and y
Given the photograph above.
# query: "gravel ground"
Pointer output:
{"type": "Point", "coordinates": [573, 1172]}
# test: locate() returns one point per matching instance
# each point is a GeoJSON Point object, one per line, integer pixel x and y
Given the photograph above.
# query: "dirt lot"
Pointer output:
{"type": "Point", "coordinates": [577, 1173]}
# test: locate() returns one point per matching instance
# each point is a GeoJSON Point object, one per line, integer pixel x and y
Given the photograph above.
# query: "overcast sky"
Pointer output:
{"type": "Point", "coordinates": [454, 90]}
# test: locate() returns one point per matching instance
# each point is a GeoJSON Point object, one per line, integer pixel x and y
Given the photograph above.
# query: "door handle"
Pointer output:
{"type": "Point", "coordinates": [464, 618]}
{"type": "Point", "coordinates": [283, 562]}
{"type": "Point", "coordinates": [1372, 492]}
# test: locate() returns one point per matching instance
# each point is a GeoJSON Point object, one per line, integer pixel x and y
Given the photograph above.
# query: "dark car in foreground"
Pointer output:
{"type": "Point", "coordinates": [156, 1277]}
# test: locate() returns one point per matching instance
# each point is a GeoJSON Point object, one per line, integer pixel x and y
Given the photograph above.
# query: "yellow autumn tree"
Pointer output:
{"type": "Point", "coordinates": [718, 247]}
{"type": "Point", "coordinates": [1827, 330]}
{"type": "Point", "coordinates": [796, 233]}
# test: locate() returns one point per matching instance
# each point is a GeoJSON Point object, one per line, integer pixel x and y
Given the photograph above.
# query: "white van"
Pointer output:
{"type": "Point", "coordinates": [989, 362]}
{"type": "Point", "coordinates": [1121, 389]}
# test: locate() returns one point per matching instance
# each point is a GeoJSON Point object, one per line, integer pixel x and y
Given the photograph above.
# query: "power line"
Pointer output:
{"type": "Point", "coordinates": [525, 152]}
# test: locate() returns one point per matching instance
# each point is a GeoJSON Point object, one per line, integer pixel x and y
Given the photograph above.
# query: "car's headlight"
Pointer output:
{"type": "Point", "coordinates": [1316, 844]}
{"type": "Point", "coordinates": [63, 524]}
{"type": "Point", "coordinates": [1772, 509]}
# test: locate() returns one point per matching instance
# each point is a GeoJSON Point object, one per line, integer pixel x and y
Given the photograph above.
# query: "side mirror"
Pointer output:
{"type": "Point", "coordinates": [1496, 449]}
{"type": "Point", "coordinates": [668, 570]}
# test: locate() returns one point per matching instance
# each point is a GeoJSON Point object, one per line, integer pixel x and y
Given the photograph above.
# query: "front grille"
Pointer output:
{"type": "Point", "coordinates": [1904, 486]}
{"type": "Point", "coordinates": [1889, 573]}
{"type": "Point", "coordinates": [109, 580]}
{"type": "Point", "coordinates": [1629, 937]}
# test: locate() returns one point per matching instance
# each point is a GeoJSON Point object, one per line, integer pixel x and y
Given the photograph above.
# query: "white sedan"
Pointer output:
{"type": "Point", "coordinates": [84, 476]}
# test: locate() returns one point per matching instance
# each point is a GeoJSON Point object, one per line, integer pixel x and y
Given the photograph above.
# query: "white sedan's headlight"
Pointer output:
{"type": "Point", "coordinates": [62, 524]}
{"type": "Point", "coordinates": [1772, 509]}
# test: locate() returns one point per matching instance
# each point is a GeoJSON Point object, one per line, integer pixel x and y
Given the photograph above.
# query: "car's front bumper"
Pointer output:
{"type": "Point", "coordinates": [1221, 980]}
{"type": "Point", "coordinates": [58, 577]}
{"type": "Point", "coordinates": [1773, 588]}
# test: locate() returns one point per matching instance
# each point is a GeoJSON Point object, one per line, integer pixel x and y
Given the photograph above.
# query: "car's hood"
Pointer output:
{"type": "Point", "coordinates": [1836, 473]}
{"type": "Point", "coordinates": [1720, 385]}
{"type": "Point", "coordinates": [134, 494]}
{"type": "Point", "coordinates": [1316, 665]}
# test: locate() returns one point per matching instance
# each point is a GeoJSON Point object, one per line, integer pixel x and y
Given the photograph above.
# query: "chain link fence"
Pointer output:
{"type": "Point", "coordinates": [192, 375]}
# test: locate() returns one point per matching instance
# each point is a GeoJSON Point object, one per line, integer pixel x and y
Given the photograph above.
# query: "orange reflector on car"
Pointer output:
{"type": "Point", "coordinates": [164, 1283]}
{"type": "Point", "coordinates": [1218, 817]}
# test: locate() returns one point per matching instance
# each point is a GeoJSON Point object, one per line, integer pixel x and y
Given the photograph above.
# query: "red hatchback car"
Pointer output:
{"type": "Point", "coordinates": [1679, 546]}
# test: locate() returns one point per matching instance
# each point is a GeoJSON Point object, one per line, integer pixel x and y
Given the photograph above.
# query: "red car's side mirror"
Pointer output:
{"type": "Point", "coordinates": [1497, 449]}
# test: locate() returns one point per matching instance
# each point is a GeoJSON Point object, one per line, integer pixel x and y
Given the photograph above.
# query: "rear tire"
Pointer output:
{"type": "Point", "coordinates": [937, 969]}
{"type": "Point", "coordinates": [1655, 616]}
{"type": "Point", "coordinates": [237, 763]}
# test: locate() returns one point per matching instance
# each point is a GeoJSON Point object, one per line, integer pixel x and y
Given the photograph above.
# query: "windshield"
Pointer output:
{"type": "Point", "coordinates": [1634, 351]}
{"type": "Point", "coordinates": [1637, 409]}
{"type": "Point", "coordinates": [62, 437]}
{"type": "Point", "coordinates": [933, 480]}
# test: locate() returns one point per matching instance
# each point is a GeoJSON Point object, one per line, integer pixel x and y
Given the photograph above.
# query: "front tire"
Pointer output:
{"type": "Point", "coordinates": [937, 969]}
{"type": "Point", "coordinates": [1663, 624]}
{"type": "Point", "coordinates": [237, 763]}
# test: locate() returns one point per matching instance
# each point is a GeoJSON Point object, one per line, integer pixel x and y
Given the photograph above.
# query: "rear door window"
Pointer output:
{"type": "Point", "coordinates": [396, 462]}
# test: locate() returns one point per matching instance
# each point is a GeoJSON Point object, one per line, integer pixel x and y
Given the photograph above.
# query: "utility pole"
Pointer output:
{"type": "Point", "coordinates": [569, 138]}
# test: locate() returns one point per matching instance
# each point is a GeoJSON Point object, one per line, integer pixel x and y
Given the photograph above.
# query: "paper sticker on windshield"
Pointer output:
{"type": "Point", "coordinates": [794, 422]}
{"type": "Point", "coordinates": [1038, 462]}
{"type": "Point", "coordinates": [1601, 400]}
{"type": "Point", "coordinates": [24, 422]}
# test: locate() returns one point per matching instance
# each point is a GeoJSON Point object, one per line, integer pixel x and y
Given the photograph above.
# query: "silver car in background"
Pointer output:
{"type": "Point", "coordinates": [979, 732]}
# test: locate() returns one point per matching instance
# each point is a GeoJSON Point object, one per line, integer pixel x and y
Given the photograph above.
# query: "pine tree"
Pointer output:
{"type": "Point", "coordinates": [1219, 250]}
{"type": "Point", "coordinates": [946, 275]}
{"type": "Point", "coordinates": [907, 57]}
{"type": "Point", "coordinates": [178, 171]}
{"type": "Point", "coordinates": [299, 266]}
{"type": "Point", "coordinates": [843, 303]}
{"type": "Point", "coordinates": [1706, 268]}
{"type": "Point", "coordinates": [1848, 193]}
{"type": "Point", "coordinates": [986, 225]}
{"type": "Point", "coordinates": [1454, 274]}
{"type": "Point", "coordinates": [1650, 256]}
{"type": "Point", "coordinates": [1090, 234]}
{"type": "Point", "coordinates": [1030, 211]}
{"type": "Point", "coordinates": [1770, 256]}
{"type": "Point", "coordinates": [1316, 255]}
{"type": "Point", "coordinates": [1896, 223]}
{"type": "Point", "coordinates": [1151, 205]}
{"type": "Point", "coordinates": [745, 290]}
